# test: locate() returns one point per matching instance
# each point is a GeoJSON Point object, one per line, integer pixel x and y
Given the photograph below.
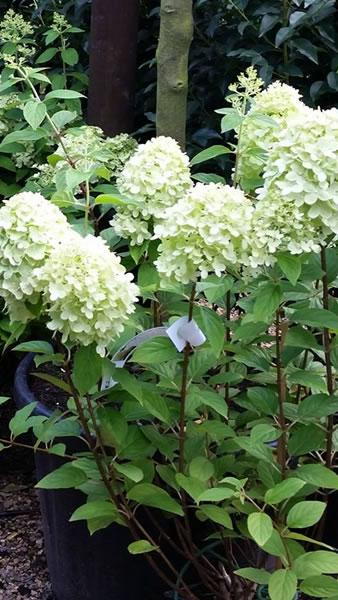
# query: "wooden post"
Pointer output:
{"type": "Point", "coordinates": [176, 32]}
{"type": "Point", "coordinates": [112, 68]}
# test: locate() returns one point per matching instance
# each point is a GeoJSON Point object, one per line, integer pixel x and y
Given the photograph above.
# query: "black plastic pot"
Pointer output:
{"type": "Point", "coordinates": [82, 567]}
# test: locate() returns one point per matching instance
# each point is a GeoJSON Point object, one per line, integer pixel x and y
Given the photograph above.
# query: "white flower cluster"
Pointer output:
{"type": "Point", "coordinates": [154, 178]}
{"type": "Point", "coordinates": [86, 292]}
{"type": "Point", "coordinates": [206, 231]}
{"type": "Point", "coordinates": [279, 225]}
{"type": "Point", "coordinates": [88, 149]}
{"type": "Point", "coordinates": [261, 127]}
{"type": "Point", "coordinates": [303, 167]}
{"type": "Point", "coordinates": [79, 282]}
{"type": "Point", "coordinates": [30, 227]}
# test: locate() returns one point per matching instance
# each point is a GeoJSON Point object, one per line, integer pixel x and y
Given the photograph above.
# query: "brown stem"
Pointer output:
{"type": "Point", "coordinates": [184, 387]}
{"type": "Point", "coordinates": [228, 339]}
{"type": "Point", "coordinates": [35, 449]}
{"type": "Point", "coordinates": [282, 441]}
{"type": "Point", "coordinates": [328, 365]}
{"type": "Point", "coordinates": [129, 518]}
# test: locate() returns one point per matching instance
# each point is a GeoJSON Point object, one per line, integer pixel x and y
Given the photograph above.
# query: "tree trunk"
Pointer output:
{"type": "Point", "coordinates": [176, 31]}
{"type": "Point", "coordinates": [112, 69]}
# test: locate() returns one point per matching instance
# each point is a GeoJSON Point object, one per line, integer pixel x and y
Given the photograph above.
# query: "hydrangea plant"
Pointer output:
{"type": "Point", "coordinates": [229, 436]}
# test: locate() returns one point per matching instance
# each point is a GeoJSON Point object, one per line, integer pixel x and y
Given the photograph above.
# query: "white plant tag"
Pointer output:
{"type": "Point", "coordinates": [109, 382]}
{"type": "Point", "coordinates": [184, 331]}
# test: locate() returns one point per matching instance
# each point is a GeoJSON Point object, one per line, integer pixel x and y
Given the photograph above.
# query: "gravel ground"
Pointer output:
{"type": "Point", "coordinates": [23, 570]}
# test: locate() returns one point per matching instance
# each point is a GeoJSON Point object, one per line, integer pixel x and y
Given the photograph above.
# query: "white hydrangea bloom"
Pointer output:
{"type": "Point", "coordinates": [155, 177]}
{"type": "Point", "coordinates": [30, 227]}
{"type": "Point", "coordinates": [86, 292]}
{"type": "Point", "coordinates": [278, 224]}
{"type": "Point", "coordinates": [278, 102]}
{"type": "Point", "coordinates": [303, 167]}
{"type": "Point", "coordinates": [89, 149]}
{"type": "Point", "coordinates": [206, 231]}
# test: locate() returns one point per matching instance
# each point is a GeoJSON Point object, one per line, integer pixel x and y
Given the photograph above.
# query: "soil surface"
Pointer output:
{"type": "Point", "coordinates": [23, 569]}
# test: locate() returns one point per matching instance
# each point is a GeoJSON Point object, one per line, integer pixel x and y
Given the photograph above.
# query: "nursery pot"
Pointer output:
{"type": "Point", "coordinates": [82, 567]}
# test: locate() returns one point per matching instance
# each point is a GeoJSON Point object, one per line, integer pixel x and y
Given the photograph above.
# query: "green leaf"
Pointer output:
{"type": "Point", "coordinates": [19, 423]}
{"type": "Point", "coordinates": [305, 514]}
{"type": "Point", "coordinates": [46, 56]}
{"type": "Point", "coordinates": [215, 288]}
{"type": "Point", "coordinates": [256, 449]}
{"type": "Point", "coordinates": [157, 406]}
{"type": "Point", "coordinates": [130, 471]}
{"type": "Point", "coordinates": [4, 399]}
{"type": "Point", "coordinates": [306, 438]}
{"type": "Point", "coordinates": [282, 585]}
{"type": "Point", "coordinates": [63, 95]}
{"type": "Point", "coordinates": [214, 330]}
{"type": "Point", "coordinates": [291, 265]}
{"type": "Point", "coordinates": [63, 117]}
{"type": "Point", "coordinates": [34, 113]}
{"type": "Point", "coordinates": [129, 383]}
{"type": "Point", "coordinates": [208, 178]}
{"type": "Point", "coordinates": [208, 154]}
{"type": "Point", "coordinates": [211, 399]}
{"type": "Point", "coordinates": [307, 379]}
{"type": "Point", "coordinates": [217, 514]}
{"type": "Point", "coordinates": [64, 477]}
{"type": "Point", "coordinates": [231, 121]}
{"type": "Point", "coordinates": [51, 35]}
{"type": "Point", "coordinates": [283, 490]}
{"type": "Point", "coordinates": [299, 337]}
{"type": "Point", "coordinates": [264, 400]}
{"type": "Point", "coordinates": [320, 586]}
{"type": "Point", "coordinates": [260, 527]}
{"type": "Point", "coordinates": [318, 475]}
{"type": "Point", "coordinates": [275, 546]}
{"type": "Point", "coordinates": [37, 346]}
{"type": "Point", "coordinates": [54, 381]}
{"type": "Point", "coordinates": [151, 495]}
{"type": "Point", "coordinates": [316, 317]}
{"type": "Point", "coordinates": [267, 23]}
{"type": "Point", "coordinates": [268, 299]}
{"type": "Point", "coordinates": [201, 468]}
{"type": "Point", "coordinates": [216, 494]}
{"type": "Point", "coordinates": [282, 35]}
{"type": "Point", "coordinates": [155, 351]}
{"type": "Point", "coordinates": [113, 426]}
{"type": "Point", "coordinates": [141, 547]}
{"type": "Point", "coordinates": [101, 523]}
{"type": "Point", "coordinates": [317, 406]}
{"type": "Point", "coordinates": [256, 575]}
{"type": "Point", "coordinates": [148, 278]}
{"type": "Point", "coordinates": [23, 135]}
{"type": "Point", "coordinates": [70, 56]}
{"type": "Point", "coordinates": [247, 332]}
{"type": "Point", "coordinates": [315, 563]}
{"type": "Point", "coordinates": [87, 368]}
{"type": "Point", "coordinates": [306, 48]}
{"type": "Point", "coordinates": [111, 199]}
{"type": "Point", "coordinates": [93, 510]}
{"type": "Point", "coordinates": [193, 487]}
{"type": "Point", "coordinates": [58, 449]}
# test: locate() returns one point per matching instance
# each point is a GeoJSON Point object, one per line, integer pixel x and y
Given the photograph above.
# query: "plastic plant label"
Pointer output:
{"type": "Point", "coordinates": [184, 331]}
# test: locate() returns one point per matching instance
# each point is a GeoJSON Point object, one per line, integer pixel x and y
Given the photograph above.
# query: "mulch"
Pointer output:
{"type": "Point", "coordinates": [23, 569]}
